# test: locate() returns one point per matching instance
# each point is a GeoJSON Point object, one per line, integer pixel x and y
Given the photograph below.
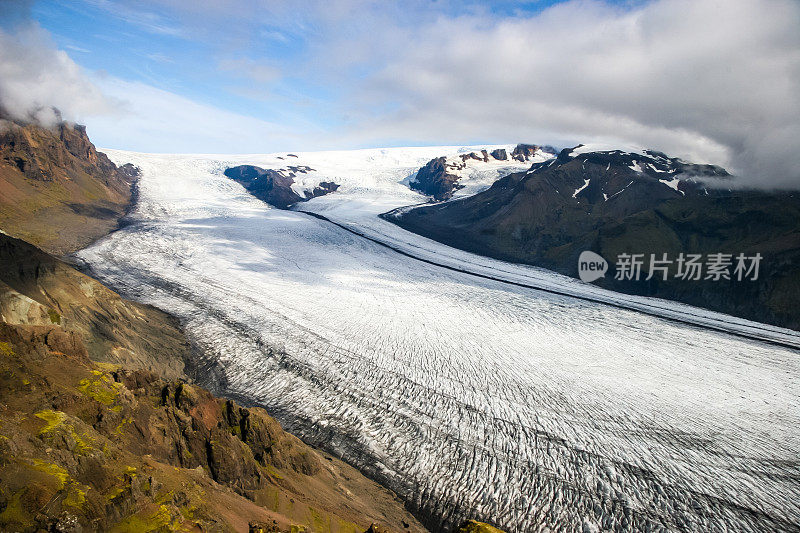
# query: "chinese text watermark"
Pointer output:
{"type": "Point", "coordinates": [688, 267]}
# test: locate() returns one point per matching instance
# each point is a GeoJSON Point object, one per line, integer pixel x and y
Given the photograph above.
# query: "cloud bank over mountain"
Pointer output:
{"type": "Point", "coordinates": [715, 82]}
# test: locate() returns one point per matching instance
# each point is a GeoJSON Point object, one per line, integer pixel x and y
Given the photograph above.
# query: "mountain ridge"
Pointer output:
{"type": "Point", "coordinates": [618, 202]}
{"type": "Point", "coordinates": [56, 190]}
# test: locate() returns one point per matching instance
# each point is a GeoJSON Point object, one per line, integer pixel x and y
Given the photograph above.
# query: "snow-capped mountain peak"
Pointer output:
{"type": "Point", "coordinates": [468, 173]}
{"type": "Point", "coordinates": [598, 172]}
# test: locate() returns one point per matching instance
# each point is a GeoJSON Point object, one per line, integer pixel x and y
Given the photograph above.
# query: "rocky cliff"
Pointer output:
{"type": "Point", "coordinates": [56, 190]}
{"type": "Point", "coordinates": [435, 180]}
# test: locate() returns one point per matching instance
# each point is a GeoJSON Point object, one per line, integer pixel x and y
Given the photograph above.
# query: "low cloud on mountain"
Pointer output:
{"type": "Point", "coordinates": [36, 78]}
{"type": "Point", "coordinates": [707, 80]}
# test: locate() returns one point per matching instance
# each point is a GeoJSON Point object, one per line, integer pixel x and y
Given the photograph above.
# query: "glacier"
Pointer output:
{"type": "Point", "coordinates": [517, 396]}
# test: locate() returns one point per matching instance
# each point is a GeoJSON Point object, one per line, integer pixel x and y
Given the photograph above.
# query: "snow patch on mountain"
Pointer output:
{"type": "Point", "coordinates": [673, 184]}
{"type": "Point", "coordinates": [582, 187]}
{"type": "Point", "coordinates": [600, 147]}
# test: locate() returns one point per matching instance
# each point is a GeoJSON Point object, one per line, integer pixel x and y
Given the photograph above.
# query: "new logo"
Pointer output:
{"type": "Point", "coordinates": [591, 266]}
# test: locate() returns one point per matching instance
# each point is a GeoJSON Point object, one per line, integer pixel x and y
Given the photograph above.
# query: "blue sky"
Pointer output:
{"type": "Point", "coordinates": [254, 63]}
{"type": "Point", "coordinates": [707, 80]}
{"type": "Point", "coordinates": [153, 47]}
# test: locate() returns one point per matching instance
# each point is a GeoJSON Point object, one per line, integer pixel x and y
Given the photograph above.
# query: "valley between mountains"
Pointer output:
{"type": "Point", "coordinates": [469, 397]}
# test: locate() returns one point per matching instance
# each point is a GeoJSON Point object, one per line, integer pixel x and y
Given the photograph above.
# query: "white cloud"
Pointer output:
{"type": "Point", "coordinates": [35, 77]}
{"type": "Point", "coordinates": [709, 80]}
{"type": "Point", "coordinates": [155, 120]}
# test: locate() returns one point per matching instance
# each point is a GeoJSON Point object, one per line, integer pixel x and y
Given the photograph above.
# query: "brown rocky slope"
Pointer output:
{"type": "Point", "coordinates": [116, 446]}
{"type": "Point", "coordinates": [94, 447]}
{"type": "Point", "coordinates": [56, 190]}
{"type": "Point", "coordinates": [38, 290]}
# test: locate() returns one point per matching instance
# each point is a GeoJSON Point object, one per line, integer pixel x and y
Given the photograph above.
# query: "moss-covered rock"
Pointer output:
{"type": "Point", "coordinates": [472, 526]}
{"type": "Point", "coordinates": [104, 448]}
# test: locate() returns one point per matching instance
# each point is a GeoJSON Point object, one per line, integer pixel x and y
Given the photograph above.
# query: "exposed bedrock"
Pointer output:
{"type": "Point", "coordinates": [276, 186]}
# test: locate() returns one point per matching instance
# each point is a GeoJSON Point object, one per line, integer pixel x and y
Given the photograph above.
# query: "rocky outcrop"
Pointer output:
{"type": "Point", "coordinates": [439, 178]}
{"type": "Point", "coordinates": [268, 185]}
{"type": "Point", "coordinates": [614, 202]}
{"type": "Point", "coordinates": [435, 181]}
{"type": "Point", "coordinates": [484, 156]}
{"type": "Point", "coordinates": [56, 190]}
{"type": "Point", "coordinates": [38, 290]}
{"type": "Point", "coordinates": [324, 187]}
{"type": "Point", "coordinates": [500, 154]}
{"type": "Point", "coordinates": [88, 447]}
{"type": "Point", "coordinates": [275, 186]}
{"type": "Point", "coordinates": [524, 152]}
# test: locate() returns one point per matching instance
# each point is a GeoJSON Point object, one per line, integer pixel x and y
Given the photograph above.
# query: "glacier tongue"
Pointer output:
{"type": "Point", "coordinates": [467, 396]}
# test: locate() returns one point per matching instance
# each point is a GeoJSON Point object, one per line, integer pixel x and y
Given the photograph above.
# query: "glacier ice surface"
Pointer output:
{"type": "Point", "coordinates": [469, 397]}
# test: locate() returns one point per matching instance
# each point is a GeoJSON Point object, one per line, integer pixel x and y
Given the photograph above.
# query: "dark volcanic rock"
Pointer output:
{"type": "Point", "coordinates": [472, 155]}
{"type": "Point", "coordinates": [500, 154]}
{"type": "Point", "coordinates": [524, 152]}
{"type": "Point", "coordinates": [324, 187]}
{"type": "Point", "coordinates": [619, 202]}
{"type": "Point", "coordinates": [434, 180]}
{"type": "Point", "coordinates": [274, 186]}
{"type": "Point", "coordinates": [130, 170]}
{"type": "Point", "coordinates": [268, 185]}
{"type": "Point", "coordinates": [548, 149]}
{"type": "Point", "coordinates": [244, 174]}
